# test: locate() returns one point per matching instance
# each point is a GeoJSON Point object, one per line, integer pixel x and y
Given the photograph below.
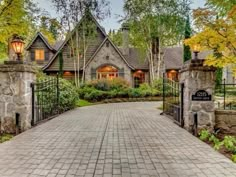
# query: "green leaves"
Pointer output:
{"type": "Point", "coordinates": [204, 135]}
{"type": "Point", "coordinates": [229, 142]}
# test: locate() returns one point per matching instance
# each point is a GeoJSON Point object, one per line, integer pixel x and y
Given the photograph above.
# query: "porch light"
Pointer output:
{"type": "Point", "coordinates": [196, 50]}
{"type": "Point", "coordinates": [18, 46]}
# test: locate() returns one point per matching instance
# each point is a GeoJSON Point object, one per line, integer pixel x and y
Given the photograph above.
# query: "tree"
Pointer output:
{"type": "Point", "coordinates": [217, 33]}
{"type": "Point", "coordinates": [16, 17]}
{"type": "Point", "coordinates": [188, 31]}
{"type": "Point", "coordinates": [51, 28]}
{"type": "Point", "coordinates": [72, 12]}
{"type": "Point", "coordinates": [116, 37]}
{"type": "Point", "coordinates": [154, 24]}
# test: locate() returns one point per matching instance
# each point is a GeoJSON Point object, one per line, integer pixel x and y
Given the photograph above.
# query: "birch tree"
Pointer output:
{"type": "Point", "coordinates": [155, 24]}
{"type": "Point", "coordinates": [72, 12]}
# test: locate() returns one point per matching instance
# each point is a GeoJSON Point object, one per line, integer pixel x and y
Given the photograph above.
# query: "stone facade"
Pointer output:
{"type": "Point", "coordinates": [196, 76]}
{"type": "Point", "coordinates": [15, 96]}
{"type": "Point", "coordinates": [226, 121]}
{"type": "Point", "coordinates": [107, 55]}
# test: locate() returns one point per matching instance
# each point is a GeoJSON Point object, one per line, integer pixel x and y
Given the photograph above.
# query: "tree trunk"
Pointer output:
{"type": "Point", "coordinates": [77, 57]}
{"type": "Point", "coordinates": [159, 58]}
{"type": "Point", "coordinates": [72, 52]}
{"type": "Point", "coordinates": [84, 53]}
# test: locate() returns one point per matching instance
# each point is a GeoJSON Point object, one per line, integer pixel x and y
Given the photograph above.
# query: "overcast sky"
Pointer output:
{"type": "Point", "coordinates": [116, 9]}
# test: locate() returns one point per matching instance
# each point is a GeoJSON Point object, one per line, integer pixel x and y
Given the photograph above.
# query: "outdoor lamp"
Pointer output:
{"type": "Point", "coordinates": [18, 46]}
{"type": "Point", "coordinates": [196, 50]}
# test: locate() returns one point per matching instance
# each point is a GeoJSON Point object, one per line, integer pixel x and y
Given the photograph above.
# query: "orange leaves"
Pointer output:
{"type": "Point", "coordinates": [217, 34]}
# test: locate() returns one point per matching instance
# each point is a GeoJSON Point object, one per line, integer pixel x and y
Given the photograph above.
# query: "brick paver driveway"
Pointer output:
{"type": "Point", "coordinates": [127, 139]}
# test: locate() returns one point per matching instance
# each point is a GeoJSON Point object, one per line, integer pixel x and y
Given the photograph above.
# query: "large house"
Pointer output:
{"type": "Point", "coordinates": [103, 58]}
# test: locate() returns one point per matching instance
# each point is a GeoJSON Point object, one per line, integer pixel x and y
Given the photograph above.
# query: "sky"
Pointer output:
{"type": "Point", "coordinates": [116, 7]}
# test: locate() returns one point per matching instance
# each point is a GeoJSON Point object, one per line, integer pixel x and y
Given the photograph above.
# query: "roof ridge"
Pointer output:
{"type": "Point", "coordinates": [39, 34]}
{"type": "Point", "coordinates": [70, 34]}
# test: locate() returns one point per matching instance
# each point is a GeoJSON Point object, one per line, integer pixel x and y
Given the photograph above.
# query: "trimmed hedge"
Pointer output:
{"type": "Point", "coordinates": [99, 90]}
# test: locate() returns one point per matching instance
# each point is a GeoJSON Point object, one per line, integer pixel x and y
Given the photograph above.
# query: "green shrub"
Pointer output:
{"type": "Point", "coordinates": [68, 93]}
{"type": "Point", "coordinates": [108, 85]}
{"type": "Point", "coordinates": [234, 158]}
{"type": "Point", "coordinates": [204, 135]}
{"type": "Point", "coordinates": [119, 84]}
{"type": "Point", "coordinates": [98, 90]}
{"type": "Point", "coordinates": [230, 143]}
{"type": "Point", "coordinates": [135, 93]}
{"type": "Point", "coordinates": [95, 95]}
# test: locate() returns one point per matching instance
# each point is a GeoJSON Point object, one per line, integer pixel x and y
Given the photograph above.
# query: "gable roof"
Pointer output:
{"type": "Point", "coordinates": [71, 34]}
{"type": "Point", "coordinates": [40, 35]}
{"type": "Point", "coordinates": [173, 57]}
{"type": "Point", "coordinates": [90, 49]}
{"type": "Point", "coordinates": [116, 49]}
{"type": "Point", "coordinates": [136, 59]}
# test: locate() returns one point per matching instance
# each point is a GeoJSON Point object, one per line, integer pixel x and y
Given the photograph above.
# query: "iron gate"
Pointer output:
{"type": "Point", "coordinates": [173, 100]}
{"type": "Point", "coordinates": [45, 99]}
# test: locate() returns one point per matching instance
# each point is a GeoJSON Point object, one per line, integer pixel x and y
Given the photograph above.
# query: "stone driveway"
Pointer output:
{"type": "Point", "coordinates": [119, 140]}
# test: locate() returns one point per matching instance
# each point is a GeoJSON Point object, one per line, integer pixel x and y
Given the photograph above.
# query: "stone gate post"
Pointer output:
{"type": "Point", "coordinates": [15, 95]}
{"type": "Point", "coordinates": [199, 88]}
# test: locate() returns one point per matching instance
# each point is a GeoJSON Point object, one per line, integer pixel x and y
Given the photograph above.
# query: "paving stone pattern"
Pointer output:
{"type": "Point", "coordinates": [119, 140]}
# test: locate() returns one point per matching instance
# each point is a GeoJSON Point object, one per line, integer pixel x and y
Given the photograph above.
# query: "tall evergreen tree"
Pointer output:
{"type": "Point", "coordinates": [188, 32]}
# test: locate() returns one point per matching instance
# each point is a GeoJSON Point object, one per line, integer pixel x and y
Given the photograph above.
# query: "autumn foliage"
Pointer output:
{"type": "Point", "coordinates": [217, 34]}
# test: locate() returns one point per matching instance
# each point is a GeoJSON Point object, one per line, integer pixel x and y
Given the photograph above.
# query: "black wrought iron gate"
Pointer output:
{"type": "Point", "coordinates": [173, 100]}
{"type": "Point", "coordinates": [45, 99]}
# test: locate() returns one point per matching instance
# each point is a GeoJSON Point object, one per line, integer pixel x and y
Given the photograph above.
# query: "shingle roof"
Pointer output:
{"type": "Point", "coordinates": [39, 34]}
{"type": "Point", "coordinates": [57, 45]}
{"type": "Point", "coordinates": [173, 57]}
{"type": "Point", "coordinates": [136, 58]}
{"type": "Point", "coordinates": [91, 49]}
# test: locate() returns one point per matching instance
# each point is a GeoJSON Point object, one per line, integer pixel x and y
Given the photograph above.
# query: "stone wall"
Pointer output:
{"type": "Point", "coordinates": [226, 120]}
{"type": "Point", "coordinates": [195, 77]}
{"type": "Point", "coordinates": [15, 96]}
{"type": "Point", "coordinates": [114, 59]}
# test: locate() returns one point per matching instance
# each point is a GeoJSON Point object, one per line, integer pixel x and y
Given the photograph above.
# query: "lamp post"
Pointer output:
{"type": "Point", "coordinates": [196, 50]}
{"type": "Point", "coordinates": [18, 46]}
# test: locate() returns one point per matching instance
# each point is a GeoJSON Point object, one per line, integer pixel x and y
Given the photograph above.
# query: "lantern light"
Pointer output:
{"type": "Point", "coordinates": [18, 46]}
{"type": "Point", "coordinates": [196, 50]}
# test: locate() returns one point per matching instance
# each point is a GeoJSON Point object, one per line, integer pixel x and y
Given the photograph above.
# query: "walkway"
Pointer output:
{"type": "Point", "coordinates": [119, 140]}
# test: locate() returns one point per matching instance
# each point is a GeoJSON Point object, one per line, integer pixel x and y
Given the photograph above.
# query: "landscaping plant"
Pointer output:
{"type": "Point", "coordinates": [228, 143]}
{"type": "Point", "coordinates": [98, 90]}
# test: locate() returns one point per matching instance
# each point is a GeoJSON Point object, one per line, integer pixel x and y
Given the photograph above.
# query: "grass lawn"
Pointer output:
{"type": "Point", "coordinates": [83, 103]}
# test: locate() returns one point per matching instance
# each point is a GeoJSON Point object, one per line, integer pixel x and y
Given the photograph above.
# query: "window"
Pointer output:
{"type": "Point", "coordinates": [107, 72]}
{"type": "Point", "coordinates": [139, 78]}
{"type": "Point", "coordinates": [172, 75]}
{"type": "Point", "coordinates": [107, 44]}
{"type": "Point", "coordinates": [39, 54]}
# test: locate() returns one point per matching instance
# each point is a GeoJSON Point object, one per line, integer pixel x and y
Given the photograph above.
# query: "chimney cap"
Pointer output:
{"type": "Point", "coordinates": [125, 26]}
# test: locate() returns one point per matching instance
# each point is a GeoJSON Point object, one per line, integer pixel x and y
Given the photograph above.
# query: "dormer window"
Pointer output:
{"type": "Point", "coordinates": [39, 55]}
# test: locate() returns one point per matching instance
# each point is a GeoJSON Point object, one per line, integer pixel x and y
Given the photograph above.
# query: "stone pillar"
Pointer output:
{"type": "Point", "coordinates": [15, 95]}
{"type": "Point", "coordinates": [197, 77]}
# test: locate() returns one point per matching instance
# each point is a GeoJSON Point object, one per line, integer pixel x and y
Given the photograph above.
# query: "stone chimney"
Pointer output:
{"type": "Point", "coordinates": [125, 45]}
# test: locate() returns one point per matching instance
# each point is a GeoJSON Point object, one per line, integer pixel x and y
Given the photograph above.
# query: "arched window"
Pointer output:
{"type": "Point", "coordinates": [107, 72]}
